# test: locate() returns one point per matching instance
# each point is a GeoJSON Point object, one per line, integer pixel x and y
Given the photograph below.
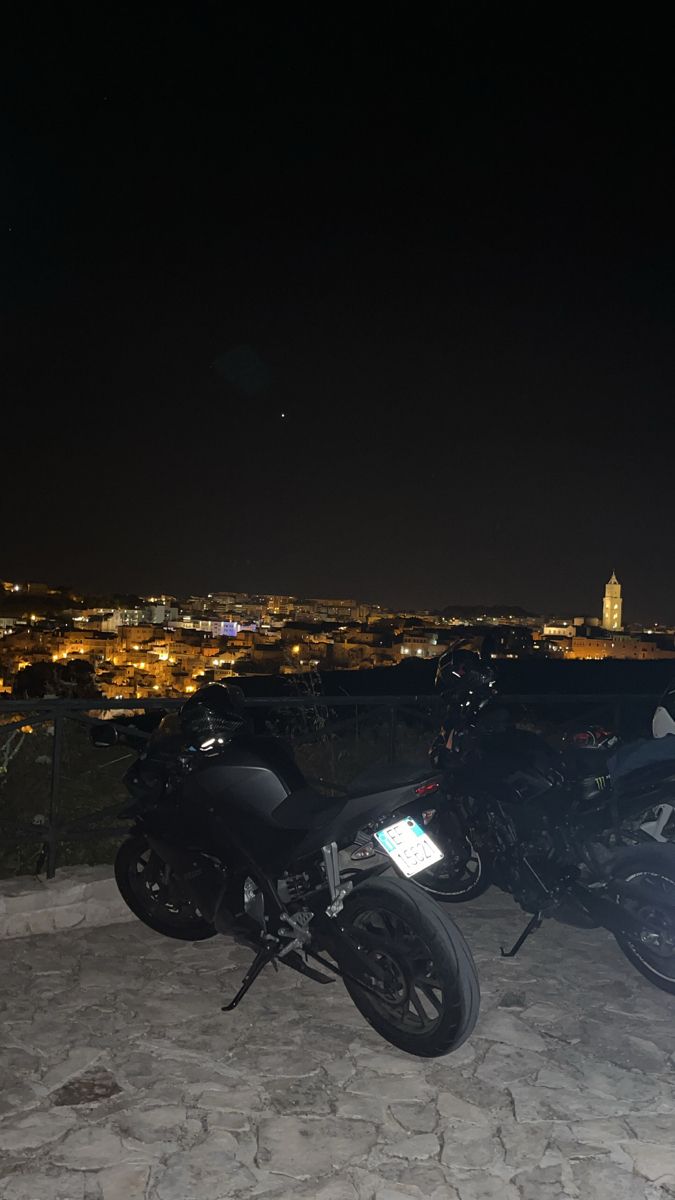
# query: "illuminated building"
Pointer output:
{"type": "Point", "coordinates": [621, 646]}
{"type": "Point", "coordinates": [612, 605]}
{"type": "Point", "coordinates": [560, 629]}
{"type": "Point", "coordinates": [415, 645]}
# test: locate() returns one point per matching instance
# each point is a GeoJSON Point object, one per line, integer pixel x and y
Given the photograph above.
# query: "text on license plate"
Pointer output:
{"type": "Point", "coordinates": [409, 846]}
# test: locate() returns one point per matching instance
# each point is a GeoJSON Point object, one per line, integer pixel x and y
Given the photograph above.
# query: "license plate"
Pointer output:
{"type": "Point", "coordinates": [409, 846]}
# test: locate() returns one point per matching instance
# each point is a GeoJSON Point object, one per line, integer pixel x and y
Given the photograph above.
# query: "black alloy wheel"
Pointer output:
{"type": "Point", "coordinates": [428, 1002]}
{"type": "Point", "coordinates": [651, 868]}
{"type": "Point", "coordinates": [156, 896]}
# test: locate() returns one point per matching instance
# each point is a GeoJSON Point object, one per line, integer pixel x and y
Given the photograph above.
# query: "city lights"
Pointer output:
{"type": "Point", "coordinates": [207, 639]}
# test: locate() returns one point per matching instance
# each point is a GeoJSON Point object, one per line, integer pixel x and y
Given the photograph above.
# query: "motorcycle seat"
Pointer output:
{"type": "Point", "coordinates": [645, 778]}
{"type": "Point", "coordinates": [383, 776]}
{"type": "Point", "coordinates": [324, 819]}
{"type": "Point", "coordinates": [307, 808]}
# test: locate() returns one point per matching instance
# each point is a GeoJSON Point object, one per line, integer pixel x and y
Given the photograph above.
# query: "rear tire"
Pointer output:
{"type": "Point", "coordinates": [434, 1015]}
{"type": "Point", "coordinates": [456, 887]}
{"type": "Point", "coordinates": [166, 908]}
{"type": "Point", "coordinates": [652, 866]}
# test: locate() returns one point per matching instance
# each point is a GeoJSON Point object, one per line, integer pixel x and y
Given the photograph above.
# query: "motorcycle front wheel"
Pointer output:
{"type": "Point", "coordinates": [155, 896]}
{"type": "Point", "coordinates": [429, 1000]}
{"type": "Point", "coordinates": [652, 953]}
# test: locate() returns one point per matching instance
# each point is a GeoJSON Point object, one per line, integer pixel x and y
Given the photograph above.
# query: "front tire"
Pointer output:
{"type": "Point", "coordinates": [431, 1001]}
{"type": "Point", "coordinates": [158, 902]}
{"type": "Point", "coordinates": [653, 954]}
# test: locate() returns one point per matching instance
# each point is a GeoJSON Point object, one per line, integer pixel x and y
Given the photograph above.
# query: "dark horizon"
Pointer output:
{"type": "Point", "coordinates": [382, 311]}
{"type": "Point", "coordinates": [470, 611]}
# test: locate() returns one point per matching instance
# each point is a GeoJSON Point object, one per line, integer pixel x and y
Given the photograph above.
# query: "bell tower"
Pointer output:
{"type": "Point", "coordinates": [612, 605]}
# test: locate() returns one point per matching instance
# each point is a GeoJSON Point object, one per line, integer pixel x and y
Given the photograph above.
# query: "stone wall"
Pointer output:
{"type": "Point", "coordinates": [77, 896]}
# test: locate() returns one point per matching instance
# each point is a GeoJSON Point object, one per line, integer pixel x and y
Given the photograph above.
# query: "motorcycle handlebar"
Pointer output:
{"type": "Point", "coordinates": [112, 733]}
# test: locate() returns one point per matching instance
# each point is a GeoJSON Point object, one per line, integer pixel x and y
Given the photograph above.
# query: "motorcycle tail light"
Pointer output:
{"type": "Point", "coordinates": [426, 789]}
{"type": "Point", "coordinates": [363, 852]}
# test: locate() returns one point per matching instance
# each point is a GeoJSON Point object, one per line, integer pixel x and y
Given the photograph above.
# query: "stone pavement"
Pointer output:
{"type": "Point", "coordinates": [122, 1080]}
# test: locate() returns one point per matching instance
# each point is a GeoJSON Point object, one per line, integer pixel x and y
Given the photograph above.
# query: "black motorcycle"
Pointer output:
{"type": "Point", "coordinates": [564, 844]}
{"type": "Point", "coordinates": [228, 838]}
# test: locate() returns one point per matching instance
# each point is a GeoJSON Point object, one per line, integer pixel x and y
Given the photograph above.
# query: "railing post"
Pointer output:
{"type": "Point", "coordinates": [333, 764]}
{"type": "Point", "coordinates": [52, 833]}
{"type": "Point", "coordinates": [618, 716]}
{"type": "Point", "coordinates": [392, 733]}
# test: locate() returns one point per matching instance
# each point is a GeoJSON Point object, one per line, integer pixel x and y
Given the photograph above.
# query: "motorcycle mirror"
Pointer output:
{"type": "Point", "coordinates": [104, 734]}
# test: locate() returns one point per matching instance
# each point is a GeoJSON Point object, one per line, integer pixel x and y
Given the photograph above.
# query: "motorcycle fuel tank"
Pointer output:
{"type": "Point", "coordinates": [244, 778]}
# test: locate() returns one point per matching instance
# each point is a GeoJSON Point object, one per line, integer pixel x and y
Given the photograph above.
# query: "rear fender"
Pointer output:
{"type": "Point", "coordinates": [359, 814]}
{"type": "Point", "coordinates": [344, 941]}
{"type": "Point", "coordinates": [413, 805]}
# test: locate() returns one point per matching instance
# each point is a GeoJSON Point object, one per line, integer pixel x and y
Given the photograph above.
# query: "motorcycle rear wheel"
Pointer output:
{"type": "Point", "coordinates": [161, 904]}
{"type": "Point", "coordinates": [458, 886]}
{"type": "Point", "coordinates": [430, 1003]}
{"type": "Point", "coordinates": [653, 955]}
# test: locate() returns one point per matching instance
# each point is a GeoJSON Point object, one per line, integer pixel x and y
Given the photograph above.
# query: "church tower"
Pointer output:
{"type": "Point", "coordinates": [612, 605]}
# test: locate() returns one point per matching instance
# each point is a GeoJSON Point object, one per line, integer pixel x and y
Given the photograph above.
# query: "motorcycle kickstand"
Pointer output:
{"type": "Point", "coordinates": [265, 955]}
{"type": "Point", "coordinates": [529, 929]}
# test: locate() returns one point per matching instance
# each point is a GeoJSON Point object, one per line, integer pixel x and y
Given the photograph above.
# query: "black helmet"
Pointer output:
{"type": "Point", "coordinates": [464, 676]}
{"type": "Point", "coordinates": [213, 715]}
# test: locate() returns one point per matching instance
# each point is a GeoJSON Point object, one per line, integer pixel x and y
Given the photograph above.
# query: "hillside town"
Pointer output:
{"type": "Point", "coordinates": [165, 646]}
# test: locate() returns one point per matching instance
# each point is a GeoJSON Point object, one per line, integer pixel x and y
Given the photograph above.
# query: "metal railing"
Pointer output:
{"type": "Point", "coordinates": [329, 726]}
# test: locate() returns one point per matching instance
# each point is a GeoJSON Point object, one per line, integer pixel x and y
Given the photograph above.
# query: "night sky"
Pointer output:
{"type": "Point", "coordinates": [438, 238]}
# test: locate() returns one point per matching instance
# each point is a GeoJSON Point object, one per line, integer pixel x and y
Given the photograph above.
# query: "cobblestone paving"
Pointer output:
{"type": "Point", "coordinates": [122, 1080]}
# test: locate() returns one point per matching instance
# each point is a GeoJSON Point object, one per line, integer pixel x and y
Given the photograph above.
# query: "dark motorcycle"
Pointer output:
{"type": "Point", "coordinates": [564, 844]}
{"type": "Point", "coordinates": [593, 751]}
{"type": "Point", "coordinates": [658, 820]}
{"type": "Point", "coordinates": [229, 838]}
